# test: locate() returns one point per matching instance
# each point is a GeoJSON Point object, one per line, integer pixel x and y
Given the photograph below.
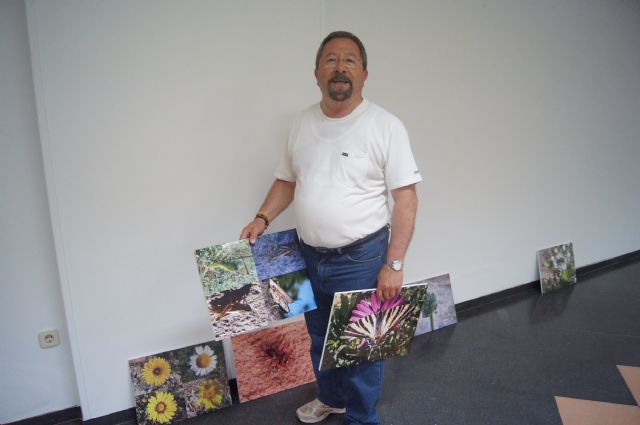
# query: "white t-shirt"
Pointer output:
{"type": "Point", "coordinates": [343, 168]}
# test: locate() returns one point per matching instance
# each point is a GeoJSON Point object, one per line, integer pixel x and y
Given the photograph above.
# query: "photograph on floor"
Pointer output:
{"type": "Point", "coordinates": [557, 267]}
{"type": "Point", "coordinates": [271, 360]}
{"type": "Point", "coordinates": [277, 254]}
{"type": "Point", "coordinates": [439, 309]}
{"type": "Point", "coordinates": [175, 385]}
{"type": "Point", "coordinates": [363, 329]}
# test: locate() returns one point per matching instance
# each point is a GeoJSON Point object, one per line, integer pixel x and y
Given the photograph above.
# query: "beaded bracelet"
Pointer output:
{"type": "Point", "coordinates": [265, 218]}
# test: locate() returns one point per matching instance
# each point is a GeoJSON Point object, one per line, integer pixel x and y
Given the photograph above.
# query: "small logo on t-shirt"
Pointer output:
{"type": "Point", "coordinates": [345, 154]}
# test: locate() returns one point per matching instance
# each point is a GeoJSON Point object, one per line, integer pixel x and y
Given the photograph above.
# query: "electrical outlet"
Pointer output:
{"type": "Point", "coordinates": [49, 338]}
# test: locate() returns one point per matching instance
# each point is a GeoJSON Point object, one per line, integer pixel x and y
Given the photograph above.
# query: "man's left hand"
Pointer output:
{"type": "Point", "coordinates": [389, 283]}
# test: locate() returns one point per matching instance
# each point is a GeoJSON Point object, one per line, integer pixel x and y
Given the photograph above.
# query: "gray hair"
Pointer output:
{"type": "Point", "coordinates": [347, 35]}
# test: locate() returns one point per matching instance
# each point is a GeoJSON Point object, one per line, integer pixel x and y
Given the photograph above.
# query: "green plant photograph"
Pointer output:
{"type": "Point", "coordinates": [226, 267]}
{"type": "Point", "coordinates": [557, 267]}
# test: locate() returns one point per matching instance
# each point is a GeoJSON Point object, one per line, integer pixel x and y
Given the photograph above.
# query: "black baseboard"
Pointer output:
{"type": "Point", "coordinates": [66, 415]}
{"type": "Point", "coordinates": [130, 414]}
{"type": "Point", "coordinates": [606, 265]}
{"type": "Point", "coordinates": [581, 273]}
{"type": "Point", "coordinates": [114, 418]}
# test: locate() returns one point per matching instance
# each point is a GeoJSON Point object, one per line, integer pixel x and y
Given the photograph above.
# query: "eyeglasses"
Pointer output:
{"type": "Point", "coordinates": [332, 61]}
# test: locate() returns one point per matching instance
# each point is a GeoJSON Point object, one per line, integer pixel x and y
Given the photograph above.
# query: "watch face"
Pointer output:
{"type": "Point", "coordinates": [396, 265]}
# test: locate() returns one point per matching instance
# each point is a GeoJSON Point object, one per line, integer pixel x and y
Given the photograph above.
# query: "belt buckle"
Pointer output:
{"type": "Point", "coordinates": [323, 250]}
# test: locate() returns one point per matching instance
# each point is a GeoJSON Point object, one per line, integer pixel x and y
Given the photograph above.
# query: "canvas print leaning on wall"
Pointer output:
{"type": "Point", "coordinates": [272, 360]}
{"type": "Point", "coordinates": [557, 267]}
{"type": "Point", "coordinates": [179, 384]}
{"type": "Point", "coordinates": [438, 310]}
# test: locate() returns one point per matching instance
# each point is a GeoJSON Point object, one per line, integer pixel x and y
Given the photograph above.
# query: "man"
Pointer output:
{"type": "Point", "coordinates": [342, 157]}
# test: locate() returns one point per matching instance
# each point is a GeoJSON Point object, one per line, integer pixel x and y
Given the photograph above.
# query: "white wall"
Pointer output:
{"type": "Point", "coordinates": [33, 381]}
{"type": "Point", "coordinates": [161, 123]}
{"type": "Point", "coordinates": [524, 118]}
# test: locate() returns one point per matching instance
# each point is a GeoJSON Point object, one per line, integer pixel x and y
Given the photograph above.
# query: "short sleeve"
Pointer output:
{"type": "Point", "coordinates": [400, 168]}
{"type": "Point", "coordinates": [284, 170]}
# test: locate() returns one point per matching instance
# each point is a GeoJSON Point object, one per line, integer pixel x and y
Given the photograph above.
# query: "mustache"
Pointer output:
{"type": "Point", "coordinates": [340, 78]}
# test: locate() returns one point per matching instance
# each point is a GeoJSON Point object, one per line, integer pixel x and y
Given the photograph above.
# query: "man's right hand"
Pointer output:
{"type": "Point", "coordinates": [253, 230]}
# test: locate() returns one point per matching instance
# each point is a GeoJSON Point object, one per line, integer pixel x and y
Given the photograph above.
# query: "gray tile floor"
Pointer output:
{"type": "Point", "coordinates": [503, 362]}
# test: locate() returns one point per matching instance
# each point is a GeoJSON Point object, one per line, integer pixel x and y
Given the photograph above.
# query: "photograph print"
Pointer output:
{"type": "Point", "coordinates": [226, 267]}
{"type": "Point", "coordinates": [175, 385]}
{"type": "Point", "coordinates": [277, 254]}
{"type": "Point", "coordinates": [557, 267]}
{"type": "Point", "coordinates": [289, 295]}
{"type": "Point", "coordinates": [438, 310]}
{"type": "Point", "coordinates": [234, 295]}
{"type": "Point", "coordinates": [272, 360]}
{"type": "Point", "coordinates": [364, 329]}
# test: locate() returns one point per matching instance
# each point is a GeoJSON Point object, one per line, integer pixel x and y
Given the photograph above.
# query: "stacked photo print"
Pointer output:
{"type": "Point", "coordinates": [247, 287]}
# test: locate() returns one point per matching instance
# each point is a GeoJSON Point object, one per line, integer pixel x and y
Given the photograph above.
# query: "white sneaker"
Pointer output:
{"type": "Point", "coordinates": [316, 411]}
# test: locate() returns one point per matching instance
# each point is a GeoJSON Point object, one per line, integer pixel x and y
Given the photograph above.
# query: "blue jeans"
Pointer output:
{"type": "Point", "coordinates": [357, 388]}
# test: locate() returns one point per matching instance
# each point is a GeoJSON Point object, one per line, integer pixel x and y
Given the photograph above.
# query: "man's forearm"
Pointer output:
{"type": "Point", "coordinates": [403, 220]}
{"type": "Point", "coordinates": [278, 199]}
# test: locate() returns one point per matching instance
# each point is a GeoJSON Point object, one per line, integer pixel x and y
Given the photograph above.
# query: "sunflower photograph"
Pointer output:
{"type": "Point", "coordinates": [205, 395]}
{"type": "Point", "coordinates": [156, 371]}
{"type": "Point", "coordinates": [161, 407]}
{"type": "Point", "coordinates": [179, 384]}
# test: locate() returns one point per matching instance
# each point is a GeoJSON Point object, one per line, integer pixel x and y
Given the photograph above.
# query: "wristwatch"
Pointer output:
{"type": "Point", "coordinates": [395, 265]}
